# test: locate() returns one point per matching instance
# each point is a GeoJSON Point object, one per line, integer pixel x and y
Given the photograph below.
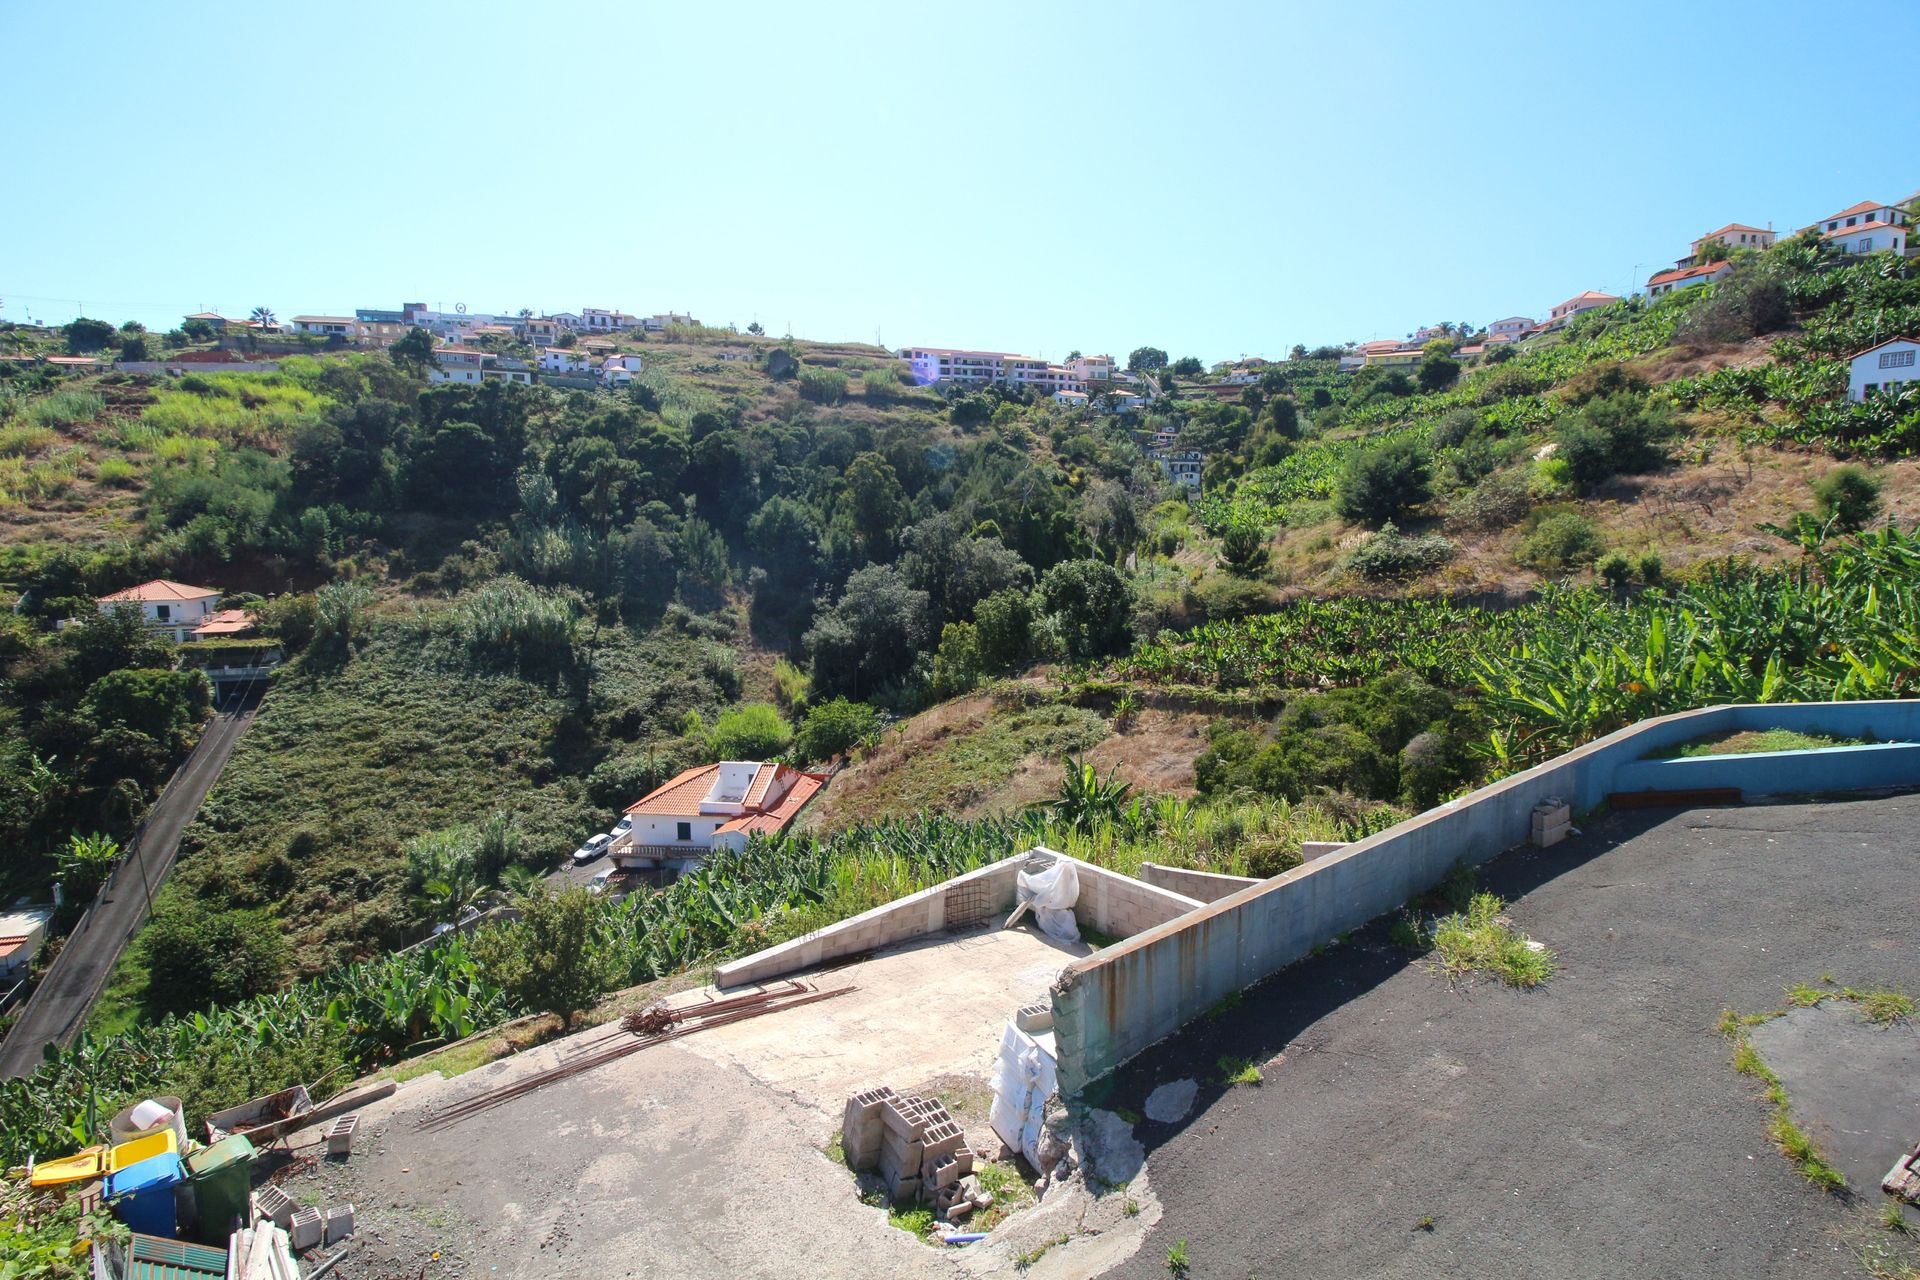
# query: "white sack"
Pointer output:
{"type": "Point", "coordinates": [1052, 893]}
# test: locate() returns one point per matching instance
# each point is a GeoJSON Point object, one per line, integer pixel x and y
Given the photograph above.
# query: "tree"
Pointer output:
{"type": "Point", "coordinates": [878, 503]}
{"type": "Point", "coordinates": [1621, 433]}
{"type": "Point", "coordinates": [84, 864]}
{"type": "Point", "coordinates": [1243, 546]}
{"type": "Point", "coordinates": [1715, 250]}
{"type": "Point", "coordinates": [414, 352]}
{"type": "Point", "coordinates": [1187, 367]}
{"type": "Point", "coordinates": [835, 728]}
{"type": "Point", "coordinates": [1004, 623]}
{"type": "Point", "coordinates": [133, 347]}
{"type": "Point", "coordinates": [1146, 359]}
{"type": "Point", "coordinates": [1085, 799]}
{"type": "Point", "coordinates": [196, 957]}
{"type": "Point", "coordinates": [85, 335]}
{"type": "Point", "coordinates": [163, 705]}
{"type": "Point", "coordinates": [1437, 371]}
{"type": "Point", "coordinates": [263, 316]}
{"type": "Point", "coordinates": [1378, 484]}
{"type": "Point", "coordinates": [756, 329]}
{"type": "Point", "coordinates": [871, 635]}
{"type": "Point", "coordinates": [752, 731]}
{"type": "Point", "coordinates": [1091, 604]}
{"type": "Point", "coordinates": [1849, 496]}
{"type": "Point", "coordinates": [549, 959]}
{"type": "Point", "coordinates": [1299, 351]}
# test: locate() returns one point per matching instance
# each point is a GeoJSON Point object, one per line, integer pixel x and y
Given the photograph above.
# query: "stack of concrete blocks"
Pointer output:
{"type": "Point", "coordinates": [1552, 818]}
{"type": "Point", "coordinates": [860, 1128]}
{"type": "Point", "coordinates": [903, 1124]}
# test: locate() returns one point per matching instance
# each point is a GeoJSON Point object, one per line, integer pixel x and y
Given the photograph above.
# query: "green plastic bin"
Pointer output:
{"type": "Point", "coordinates": [222, 1179]}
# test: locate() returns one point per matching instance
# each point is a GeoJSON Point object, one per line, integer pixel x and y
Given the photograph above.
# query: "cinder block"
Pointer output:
{"type": "Point", "coordinates": [940, 1171]}
{"type": "Point", "coordinates": [340, 1135]}
{"type": "Point", "coordinates": [339, 1223]}
{"type": "Point", "coordinates": [306, 1228]}
{"type": "Point", "coordinates": [272, 1204]}
{"type": "Point", "coordinates": [943, 1139]}
{"type": "Point", "coordinates": [1546, 837]}
{"type": "Point", "coordinates": [1034, 1018]}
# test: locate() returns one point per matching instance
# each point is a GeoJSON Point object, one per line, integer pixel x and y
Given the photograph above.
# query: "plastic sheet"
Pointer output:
{"type": "Point", "coordinates": [1024, 1078]}
{"type": "Point", "coordinates": [1052, 892]}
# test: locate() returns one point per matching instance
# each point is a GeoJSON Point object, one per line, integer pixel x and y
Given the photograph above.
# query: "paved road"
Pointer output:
{"type": "Point", "coordinates": [1592, 1129]}
{"type": "Point", "coordinates": [59, 1005]}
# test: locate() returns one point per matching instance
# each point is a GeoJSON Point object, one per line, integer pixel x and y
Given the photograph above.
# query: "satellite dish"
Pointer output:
{"type": "Point", "coordinates": [461, 307]}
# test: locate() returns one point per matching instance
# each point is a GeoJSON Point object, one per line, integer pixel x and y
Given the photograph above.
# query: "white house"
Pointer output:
{"type": "Point", "coordinates": [172, 607]}
{"type": "Point", "coordinates": [1183, 468]}
{"type": "Point", "coordinates": [1071, 399]}
{"type": "Point", "coordinates": [22, 931]}
{"type": "Point", "coordinates": [1351, 361]}
{"type": "Point", "coordinates": [1887, 367]}
{"type": "Point", "coordinates": [932, 365]}
{"type": "Point", "coordinates": [1511, 329]}
{"type": "Point", "coordinates": [666, 320]}
{"type": "Point", "coordinates": [619, 371]}
{"type": "Point", "coordinates": [1687, 277]}
{"type": "Point", "coordinates": [1576, 304]}
{"type": "Point", "coordinates": [1091, 368]}
{"type": "Point", "coordinates": [1859, 215]}
{"type": "Point", "coordinates": [325, 326]}
{"type": "Point", "coordinates": [598, 320]}
{"type": "Point", "coordinates": [1121, 402]}
{"type": "Point", "coordinates": [1874, 236]}
{"type": "Point", "coordinates": [715, 806]}
{"type": "Point", "coordinates": [566, 319]}
{"type": "Point", "coordinates": [562, 360]}
{"type": "Point", "coordinates": [1735, 235]}
{"type": "Point", "coordinates": [458, 364]}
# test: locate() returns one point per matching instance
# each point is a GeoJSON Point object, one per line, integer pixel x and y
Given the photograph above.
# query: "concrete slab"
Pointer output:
{"type": "Point", "coordinates": [1854, 1086]}
{"type": "Point", "coordinates": [933, 1008]}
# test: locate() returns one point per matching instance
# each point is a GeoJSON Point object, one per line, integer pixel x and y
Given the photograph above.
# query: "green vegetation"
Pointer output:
{"type": "Point", "coordinates": [1480, 939]}
{"type": "Point", "coordinates": [1238, 1071]}
{"type": "Point", "coordinates": [1749, 741]}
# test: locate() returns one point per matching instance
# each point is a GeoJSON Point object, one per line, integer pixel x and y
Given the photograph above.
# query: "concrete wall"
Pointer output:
{"type": "Point", "coordinates": [1767, 773]}
{"type": "Point", "coordinates": [1205, 886]}
{"type": "Point", "coordinates": [1109, 1006]}
{"type": "Point", "coordinates": [178, 367]}
{"type": "Point", "coordinates": [1109, 902]}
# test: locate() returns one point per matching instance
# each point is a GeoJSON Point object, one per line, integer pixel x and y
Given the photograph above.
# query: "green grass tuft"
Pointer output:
{"type": "Point", "coordinates": [1238, 1071]}
{"type": "Point", "coordinates": [1481, 939]}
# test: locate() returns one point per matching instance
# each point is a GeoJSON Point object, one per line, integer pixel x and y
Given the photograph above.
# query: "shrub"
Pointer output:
{"type": "Point", "coordinates": [1091, 603]}
{"type": "Point", "coordinates": [1849, 496]}
{"type": "Point", "coordinates": [117, 472]}
{"type": "Point", "coordinates": [835, 728]}
{"type": "Point", "coordinates": [1652, 569]}
{"type": "Point", "coordinates": [1560, 541]}
{"type": "Point", "coordinates": [1740, 308]}
{"type": "Point", "coordinates": [1494, 503]}
{"type": "Point", "coordinates": [198, 957]}
{"type": "Point", "coordinates": [1615, 569]}
{"type": "Point", "coordinates": [1391, 554]}
{"type": "Point", "coordinates": [507, 621]}
{"type": "Point", "coordinates": [1619, 433]}
{"type": "Point", "coordinates": [753, 731]}
{"type": "Point", "coordinates": [823, 386]}
{"type": "Point", "coordinates": [1377, 484]}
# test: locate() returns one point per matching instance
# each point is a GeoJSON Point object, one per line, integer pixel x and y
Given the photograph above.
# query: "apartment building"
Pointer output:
{"type": "Point", "coordinates": [932, 365]}
{"type": "Point", "coordinates": [1735, 235]}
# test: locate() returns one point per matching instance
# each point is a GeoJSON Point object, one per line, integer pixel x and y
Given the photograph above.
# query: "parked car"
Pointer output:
{"type": "Point", "coordinates": [593, 848]}
{"type": "Point", "coordinates": [623, 826]}
{"type": "Point", "coordinates": [601, 882]}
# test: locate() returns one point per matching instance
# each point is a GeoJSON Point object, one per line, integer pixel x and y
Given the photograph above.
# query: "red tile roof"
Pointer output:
{"type": "Point", "coordinates": [225, 622]}
{"type": "Point", "coordinates": [1852, 209]}
{"type": "Point", "coordinates": [681, 797]}
{"type": "Point", "coordinates": [1735, 226]}
{"type": "Point", "coordinates": [1688, 273]}
{"type": "Point", "coordinates": [160, 589]}
{"type": "Point", "coordinates": [1839, 233]}
{"type": "Point", "coordinates": [775, 820]}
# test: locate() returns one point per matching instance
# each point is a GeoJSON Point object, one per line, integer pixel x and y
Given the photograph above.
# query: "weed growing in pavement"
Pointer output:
{"type": "Point", "coordinates": [911, 1216]}
{"type": "Point", "coordinates": [1893, 1216]}
{"type": "Point", "coordinates": [1481, 938]}
{"type": "Point", "coordinates": [1792, 1140]}
{"type": "Point", "coordinates": [1238, 1071]}
{"type": "Point", "coordinates": [1177, 1263]}
{"type": "Point", "coordinates": [1131, 1208]}
{"type": "Point", "coordinates": [1425, 1224]}
{"type": "Point", "coordinates": [1033, 1255]}
{"type": "Point", "coordinates": [1881, 1005]}
{"type": "Point", "coordinates": [1009, 1190]}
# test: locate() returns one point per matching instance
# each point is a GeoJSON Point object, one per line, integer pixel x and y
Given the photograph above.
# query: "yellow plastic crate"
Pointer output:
{"type": "Point", "coordinates": [154, 1144]}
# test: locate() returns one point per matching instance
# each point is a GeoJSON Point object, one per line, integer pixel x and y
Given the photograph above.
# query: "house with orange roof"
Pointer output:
{"type": "Point", "coordinates": [1735, 235]}
{"type": "Point", "coordinates": [1858, 215]}
{"type": "Point", "coordinates": [714, 806]}
{"type": "Point", "coordinates": [1687, 277]}
{"type": "Point", "coordinates": [165, 605]}
{"type": "Point", "coordinates": [1511, 329]}
{"type": "Point", "coordinates": [1884, 368]}
{"type": "Point", "coordinates": [1576, 304]}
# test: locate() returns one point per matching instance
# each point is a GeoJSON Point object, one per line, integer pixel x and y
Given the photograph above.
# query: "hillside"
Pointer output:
{"type": "Point", "coordinates": [513, 609]}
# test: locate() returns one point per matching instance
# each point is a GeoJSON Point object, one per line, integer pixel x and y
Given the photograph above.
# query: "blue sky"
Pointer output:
{"type": "Point", "coordinates": [1213, 179]}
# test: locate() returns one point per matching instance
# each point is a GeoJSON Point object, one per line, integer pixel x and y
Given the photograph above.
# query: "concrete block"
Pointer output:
{"type": "Point", "coordinates": [901, 1117]}
{"type": "Point", "coordinates": [339, 1223]}
{"type": "Point", "coordinates": [941, 1172]}
{"type": "Point", "coordinates": [1547, 837]}
{"type": "Point", "coordinates": [273, 1205]}
{"type": "Point", "coordinates": [340, 1135]}
{"type": "Point", "coordinates": [1034, 1018]}
{"type": "Point", "coordinates": [943, 1139]}
{"type": "Point", "coordinates": [306, 1228]}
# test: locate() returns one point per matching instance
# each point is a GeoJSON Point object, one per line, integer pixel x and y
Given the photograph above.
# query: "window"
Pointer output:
{"type": "Point", "coordinates": [1896, 359]}
{"type": "Point", "coordinates": [683, 832]}
{"type": "Point", "coordinates": [1866, 245]}
{"type": "Point", "coordinates": [160, 612]}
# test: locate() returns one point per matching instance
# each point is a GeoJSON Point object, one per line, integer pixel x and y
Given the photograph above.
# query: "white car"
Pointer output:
{"type": "Point", "coordinates": [601, 881]}
{"type": "Point", "coordinates": [593, 848]}
{"type": "Point", "coordinates": [623, 826]}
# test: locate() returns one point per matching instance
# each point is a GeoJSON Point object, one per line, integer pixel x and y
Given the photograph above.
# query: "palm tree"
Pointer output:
{"type": "Point", "coordinates": [264, 317]}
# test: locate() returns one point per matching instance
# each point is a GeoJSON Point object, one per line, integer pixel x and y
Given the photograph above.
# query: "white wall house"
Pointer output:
{"type": "Point", "coordinates": [1735, 235]}
{"type": "Point", "coordinates": [1511, 329]}
{"type": "Point", "coordinates": [1687, 277]}
{"type": "Point", "coordinates": [1577, 303]}
{"type": "Point", "coordinates": [933, 365]}
{"type": "Point", "coordinates": [22, 932]}
{"type": "Point", "coordinates": [172, 607]}
{"type": "Point", "coordinates": [1183, 467]}
{"type": "Point", "coordinates": [1091, 368]}
{"type": "Point", "coordinates": [715, 806]}
{"type": "Point", "coordinates": [619, 371]}
{"type": "Point", "coordinates": [598, 320]}
{"type": "Point", "coordinates": [1071, 399]}
{"type": "Point", "coordinates": [1870, 237]}
{"type": "Point", "coordinates": [1893, 364]}
{"type": "Point", "coordinates": [325, 326]}
{"type": "Point", "coordinates": [666, 320]}
{"type": "Point", "coordinates": [562, 360]}
{"type": "Point", "coordinates": [1859, 215]}
{"type": "Point", "coordinates": [458, 364]}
